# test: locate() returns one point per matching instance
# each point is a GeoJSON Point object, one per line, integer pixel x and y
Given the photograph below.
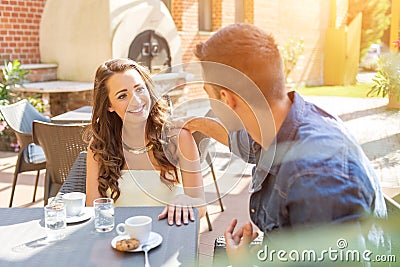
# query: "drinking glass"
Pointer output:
{"type": "Point", "coordinates": [103, 214]}
{"type": "Point", "coordinates": [55, 219]}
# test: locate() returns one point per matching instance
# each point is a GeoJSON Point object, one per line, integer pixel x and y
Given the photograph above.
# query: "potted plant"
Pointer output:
{"type": "Point", "coordinates": [387, 79]}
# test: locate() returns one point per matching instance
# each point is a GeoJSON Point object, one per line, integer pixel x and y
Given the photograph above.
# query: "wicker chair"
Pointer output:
{"type": "Point", "coordinates": [19, 117]}
{"type": "Point", "coordinates": [62, 144]}
{"type": "Point", "coordinates": [76, 179]}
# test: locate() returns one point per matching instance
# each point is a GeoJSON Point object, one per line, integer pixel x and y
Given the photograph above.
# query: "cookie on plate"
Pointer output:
{"type": "Point", "coordinates": [127, 244]}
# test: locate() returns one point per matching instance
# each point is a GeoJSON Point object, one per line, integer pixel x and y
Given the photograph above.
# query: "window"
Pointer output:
{"type": "Point", "coordinates": [205, 15]}
{"type": "Point", "coordinates": [239, 11]}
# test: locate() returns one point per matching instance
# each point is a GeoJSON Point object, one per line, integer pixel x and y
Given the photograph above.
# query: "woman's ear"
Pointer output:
{"type": "Point", "coordinates": [228, 98]}
{"type": "Point", "coordinates": [110, 109]}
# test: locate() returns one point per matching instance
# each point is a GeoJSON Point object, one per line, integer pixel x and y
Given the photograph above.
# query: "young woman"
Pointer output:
{"type": "Point", "coordinates": [127, 159]}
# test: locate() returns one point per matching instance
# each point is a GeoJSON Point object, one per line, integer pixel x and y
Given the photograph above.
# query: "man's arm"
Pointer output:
{"type": "Point", "coordinates": [240, 143]}
{"type": "Point", "coordinates": [322, 197]}
{"type": "Point", "coordinates": [210, 127]}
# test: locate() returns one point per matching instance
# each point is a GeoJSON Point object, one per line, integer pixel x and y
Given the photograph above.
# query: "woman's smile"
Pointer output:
{"type": "Point", "coordinates": [138, 110]}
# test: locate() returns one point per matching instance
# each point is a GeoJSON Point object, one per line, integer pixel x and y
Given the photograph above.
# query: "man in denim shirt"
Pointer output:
{"type": "Point", "coordinates": [315, 157]}
{"type": "Point", "coordinates": [310, 171]}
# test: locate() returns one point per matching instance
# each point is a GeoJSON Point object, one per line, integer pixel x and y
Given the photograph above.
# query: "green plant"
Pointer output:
{"type": "Point", "coordinates": [290, 53]}
{"type": "Point", "coordinates": [374, 21]}
{"type": "Point", "coordinates": [12, 75]}
{"type": "Point", "coordinates": [387, 79]}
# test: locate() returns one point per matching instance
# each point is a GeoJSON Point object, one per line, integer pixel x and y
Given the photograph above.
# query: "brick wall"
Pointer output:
{"type": "Point", "coordinates": [19, 30]}
{"type": "Point", "coordinates": [41, 74]}
{"type": "Point", "coordinates": [185, 15]}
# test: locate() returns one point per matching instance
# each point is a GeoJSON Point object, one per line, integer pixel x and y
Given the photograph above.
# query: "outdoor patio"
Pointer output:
{"type": "Point", "coordinates": [375, 128]}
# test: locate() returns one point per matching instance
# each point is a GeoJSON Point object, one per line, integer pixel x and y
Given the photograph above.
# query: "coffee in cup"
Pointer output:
{"type": "Point", "coordinates": [74, 203]}
{"type": "Point", "coordinates": [138, 227]}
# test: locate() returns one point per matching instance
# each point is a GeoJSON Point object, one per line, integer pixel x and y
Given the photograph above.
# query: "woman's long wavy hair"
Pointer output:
{"type": "Point", "coordinates": [106, 128]}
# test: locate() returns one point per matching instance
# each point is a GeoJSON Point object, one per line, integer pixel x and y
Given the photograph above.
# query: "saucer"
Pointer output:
{"type": "Point", "coordinates": [86, 214]}
{"type": "Point", "coordinates": [155, 239]}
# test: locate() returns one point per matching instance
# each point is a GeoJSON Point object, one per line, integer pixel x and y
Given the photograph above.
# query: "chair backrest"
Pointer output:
{"type": "Point", "coordinates": [61, 144]}
{"type": "Point", "coordinates": [19, 116]}
{"type": "Point", "coordinates": [76, 180]}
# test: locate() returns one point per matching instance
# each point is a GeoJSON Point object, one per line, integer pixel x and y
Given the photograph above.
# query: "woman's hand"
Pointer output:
{"type": "Point", "coordinates": [180, 209]}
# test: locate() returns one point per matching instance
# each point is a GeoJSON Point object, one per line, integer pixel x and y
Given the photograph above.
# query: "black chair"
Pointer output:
{"type": "Point", "coordinates": [62, 144]}
{"type": "Point", "coordinates": [19, 117]}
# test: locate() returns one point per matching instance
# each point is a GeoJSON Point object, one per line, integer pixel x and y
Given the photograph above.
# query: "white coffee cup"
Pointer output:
{"type": "Point", "coordinates": [74, 203]}
{"type": "Point", "coordinates": [138, 227]}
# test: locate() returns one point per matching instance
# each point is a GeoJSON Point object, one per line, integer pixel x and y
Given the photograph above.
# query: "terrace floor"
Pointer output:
{"type": "Point", "coordinates": [374, 127]}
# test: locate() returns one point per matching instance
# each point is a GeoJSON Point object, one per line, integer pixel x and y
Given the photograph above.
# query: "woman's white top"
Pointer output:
{"type": "Point", "coordinates": [144, 188]}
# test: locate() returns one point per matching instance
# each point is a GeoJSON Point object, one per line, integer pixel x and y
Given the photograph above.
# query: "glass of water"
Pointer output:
{"type": "Point", "coordinates": [103, 214]}
{"type": "Point", "coordinates": [55, 219]}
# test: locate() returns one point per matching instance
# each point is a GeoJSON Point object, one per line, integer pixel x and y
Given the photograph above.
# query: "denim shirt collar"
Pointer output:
{"type": "Point", "coordinates": [282, 143]}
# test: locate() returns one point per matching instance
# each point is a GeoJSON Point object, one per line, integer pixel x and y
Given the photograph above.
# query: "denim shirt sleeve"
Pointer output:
{"type": "Point", "coordinates": [242, 145]}
{"type": "Point", "coordinates": [317, 198]}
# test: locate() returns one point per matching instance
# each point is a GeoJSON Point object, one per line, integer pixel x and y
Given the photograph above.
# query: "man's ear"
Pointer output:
{"type": "Point", "coordinates": [228, 98]}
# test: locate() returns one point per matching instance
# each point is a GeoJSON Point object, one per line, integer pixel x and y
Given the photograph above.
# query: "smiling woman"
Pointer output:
{"type": "Point", "coordinates": [128, 95]}
{"type": "Point", "coordinates": [126, 153]}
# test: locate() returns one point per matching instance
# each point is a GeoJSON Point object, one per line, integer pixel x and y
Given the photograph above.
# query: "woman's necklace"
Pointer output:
{"type": "Point", "coordinates": [137, 151]}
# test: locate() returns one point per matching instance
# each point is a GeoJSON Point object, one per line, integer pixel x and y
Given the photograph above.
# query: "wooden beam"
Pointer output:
{"type": "Point", "coordinates": [394, 26]}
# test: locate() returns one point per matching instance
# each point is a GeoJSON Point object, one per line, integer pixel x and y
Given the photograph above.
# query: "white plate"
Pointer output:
{"type": "Point", "coordinates": [155, 239]}
{"type": "Point", "coordinates": [86, 214]}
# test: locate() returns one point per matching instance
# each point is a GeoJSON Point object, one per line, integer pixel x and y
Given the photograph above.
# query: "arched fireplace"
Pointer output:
{"type": "Point", "coordinates": [151, 50]}
{"type": "Point", "coordinates": [78, 35]}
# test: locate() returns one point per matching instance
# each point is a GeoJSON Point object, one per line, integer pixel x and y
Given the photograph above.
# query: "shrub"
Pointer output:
{"type": "Point", "coordinates": [12, 75]}
{"type": "Point", "coordinates": [387, 79]}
